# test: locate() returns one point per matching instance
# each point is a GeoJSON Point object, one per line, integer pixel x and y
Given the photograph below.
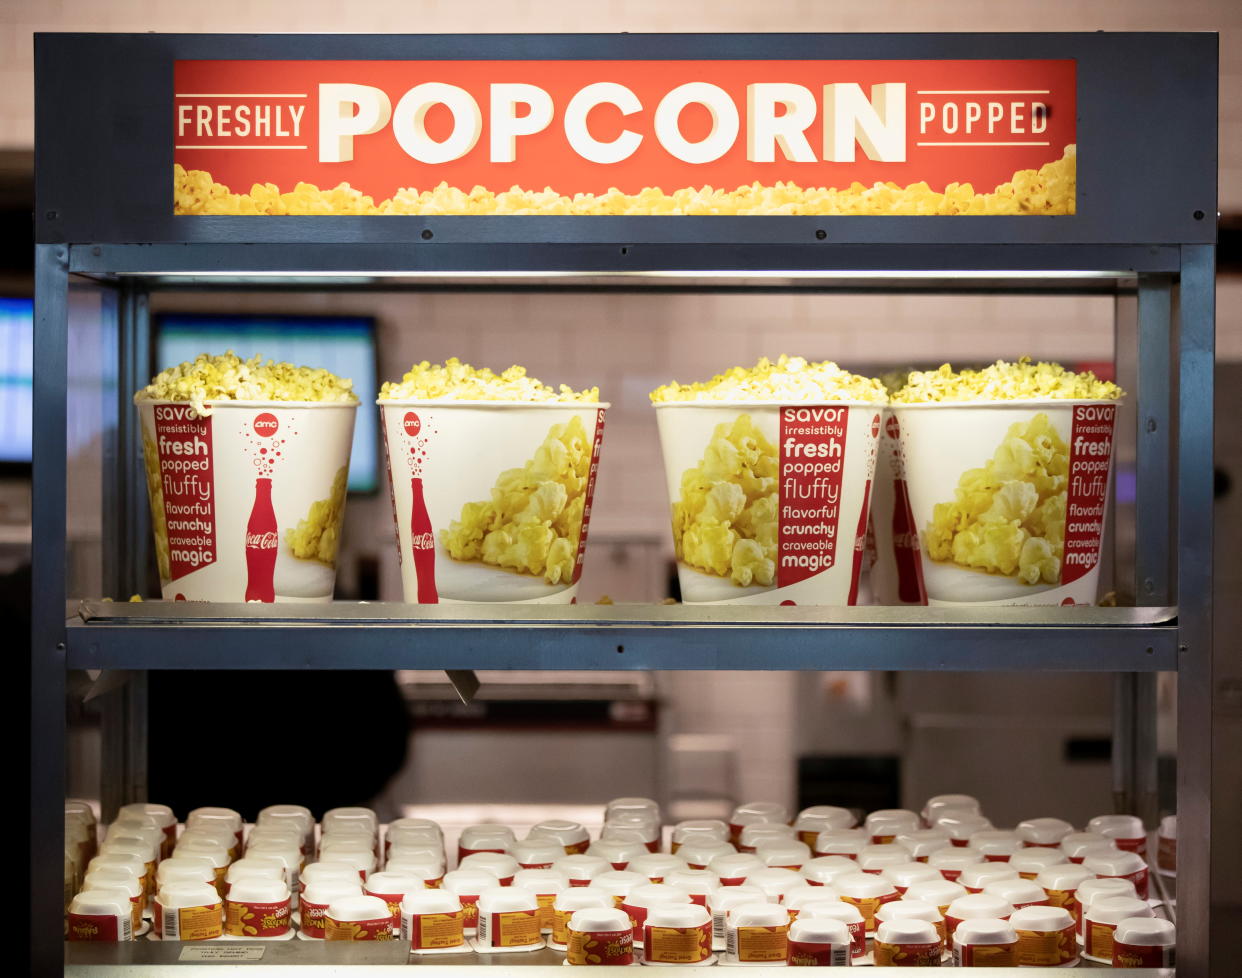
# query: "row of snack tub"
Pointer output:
{"type": "Point", "coordinates": [901, 889]}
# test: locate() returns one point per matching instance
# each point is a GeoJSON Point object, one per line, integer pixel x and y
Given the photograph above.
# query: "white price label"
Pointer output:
{"type": "Point", "coordinates": [222, 952]}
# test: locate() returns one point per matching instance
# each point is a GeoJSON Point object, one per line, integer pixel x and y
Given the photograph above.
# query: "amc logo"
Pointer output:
{"type": "Point", "coordinates": [265, 425]}
{"type": "Point", "coordinates": [892, 428]}
{"type": "Point", "coordinates": [412, 424]}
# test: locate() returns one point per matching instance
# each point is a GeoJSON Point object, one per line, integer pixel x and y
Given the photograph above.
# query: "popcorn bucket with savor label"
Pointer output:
{"type": "Point", "coordinates": [769, 501]}
{"type": "Point", "coordinates": [492, 499]}
{"type": "Point", "coordinates": [247, 501]}
{"type": "Point", "coordinates": [1009, 498]}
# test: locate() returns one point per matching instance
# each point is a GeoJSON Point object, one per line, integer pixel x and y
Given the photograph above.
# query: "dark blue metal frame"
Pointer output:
{"type": "Point", "coordinates": [1144, 169]}
{"type": "Point", "coordinates": [1147, 199]}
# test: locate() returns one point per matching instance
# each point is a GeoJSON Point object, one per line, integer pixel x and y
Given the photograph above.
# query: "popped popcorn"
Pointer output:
{"type": "Point", "coordinates": [1009, 516]}
{"type": "Point", "coordinates": [1050, 190]}
{"type": "Point", "coordinates": [788, 380]}
{"type": "Point", "coordinates": [1003, 381]}
{"type": "Point", "coordinates": [457, 381]}
{"type": "Point", "coordinates": [230, 378]}
{"type": "Point", "coordinates": [533, 520]}
{"type": "Point", "coordinates": [725, 522]}
{"type": "Point", "coordinates": [318, 535]}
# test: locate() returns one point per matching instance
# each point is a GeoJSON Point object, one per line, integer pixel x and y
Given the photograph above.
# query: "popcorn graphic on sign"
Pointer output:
{"type": "Point", "coordinates": [736, 137]}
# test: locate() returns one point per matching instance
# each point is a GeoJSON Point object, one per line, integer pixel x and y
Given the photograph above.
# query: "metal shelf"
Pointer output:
{"type": "Point", "coordinates": [151, 957]}
{"type": "Point", "coordinates": [652, 254]}
{"type": "Point", "coordinates": [348, 635]}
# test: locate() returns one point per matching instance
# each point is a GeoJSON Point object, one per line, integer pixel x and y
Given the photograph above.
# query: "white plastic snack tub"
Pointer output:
{"type": "Point", "coordinates": [247, 501]}
{"type": "Point", "coordinates": [769, 501]}
{"type": "Point", "coordinates": [1009, 498]}
{"type": "Point", "coordinates": [492, 499]}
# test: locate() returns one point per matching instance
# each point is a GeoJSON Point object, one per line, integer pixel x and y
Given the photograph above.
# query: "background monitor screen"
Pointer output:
{"type": "Point", "coordinates": [16, 378]}
{"type": "Point", "coordinates": [344, 345]}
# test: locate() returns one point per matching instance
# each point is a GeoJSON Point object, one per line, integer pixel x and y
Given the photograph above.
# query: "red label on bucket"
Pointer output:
{"type": "Point", "coordinates": [411, 424]}
{"type": "Point", "coordinates": [1091, 446]}
{"type": "Point", "coordinates": [812, 459]}
{"type": "Point", "coordinates": [186, 479]}
{"type": "Point", "coordinates": [586, 508]}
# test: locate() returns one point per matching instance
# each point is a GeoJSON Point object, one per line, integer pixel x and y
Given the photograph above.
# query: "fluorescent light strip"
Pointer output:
{"type": "Point", "coordinates": [878, 274]}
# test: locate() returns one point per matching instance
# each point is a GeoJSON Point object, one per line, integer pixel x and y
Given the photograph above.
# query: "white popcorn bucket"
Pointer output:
{"type": "Point", "coordinates": [790, 525]}
{"type": "Point", "coordinates": [897, 574]}
{"type": "Point", "coordinates": [247, 503]}
{"type": "Point", "coordinates": [1036, 539]}
{"type": "Point", "coordinates": [446, 460]}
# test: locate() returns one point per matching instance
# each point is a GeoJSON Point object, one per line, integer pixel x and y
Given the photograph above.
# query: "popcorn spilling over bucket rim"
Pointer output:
{"type": "Point", "coordinates": [785, 380]}
{"type": "Point", "coordinates": [990, 384]}
{"type": "Point", "coordinates": [220, 377]}
{"type": "Point", "coordinates": [453, 378]}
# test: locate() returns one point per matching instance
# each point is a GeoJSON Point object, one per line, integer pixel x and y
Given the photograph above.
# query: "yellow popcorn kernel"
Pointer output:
{"type": "Point", "coordinates": [789, 379]}
{"type": "Point", "coordinates": [1008, 517]}
{"type": "Point", "coordinates": [533, 520]}
{"type": "Point", "coordinates": [1002, 381]}
{"type": "Point", "coordinates": [457, 381]}
{"type": "Point", "coordinates": [1050, 190]}
{"type": "Point", "coordinates": [725, 520]}
{"type": "Point", "coordinates": [229, 378]}
{"type": "Point", "coordinates": [318, 535]}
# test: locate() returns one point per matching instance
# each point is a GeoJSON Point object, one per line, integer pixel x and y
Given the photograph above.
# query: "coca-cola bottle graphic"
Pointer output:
{"type": "Point", "coordinates": [423, 545]}
{"type": "Point", "coordinates": [261, 543]}
{"type": "Point", "coordinates": [860, 544]}
{"type": "Point", "coordinates": [910, 589]}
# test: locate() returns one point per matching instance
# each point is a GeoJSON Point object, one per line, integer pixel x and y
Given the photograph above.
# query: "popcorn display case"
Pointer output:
{"type": "Point", "coordinates": [897, 163]}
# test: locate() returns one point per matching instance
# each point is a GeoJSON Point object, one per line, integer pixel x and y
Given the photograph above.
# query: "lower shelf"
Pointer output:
{"type": "Point", "coordinates": [360, 635]}
{"type": "Point", "coordinates": [147, 957]}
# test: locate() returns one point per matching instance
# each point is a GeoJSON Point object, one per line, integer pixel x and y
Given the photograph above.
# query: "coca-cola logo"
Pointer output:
{"type": "Point", "coordinates": [266, 425]}
{"type": "Point", "coordinates": [412, 424]}
{"type": "Point", "coordinates": [423, 541]}
{"type": "Point", "coordinates": [262, 541]}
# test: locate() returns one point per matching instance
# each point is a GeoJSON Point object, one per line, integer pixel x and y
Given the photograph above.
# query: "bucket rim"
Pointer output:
{"type": "Point", "coordinates": [659, 405]}
{"type": "Point", "coordinates": [463, 403]}
{"type": "Point", "coordinates": [227, 403]}
{"type": "Point", "coordinates": [1024, 402]}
